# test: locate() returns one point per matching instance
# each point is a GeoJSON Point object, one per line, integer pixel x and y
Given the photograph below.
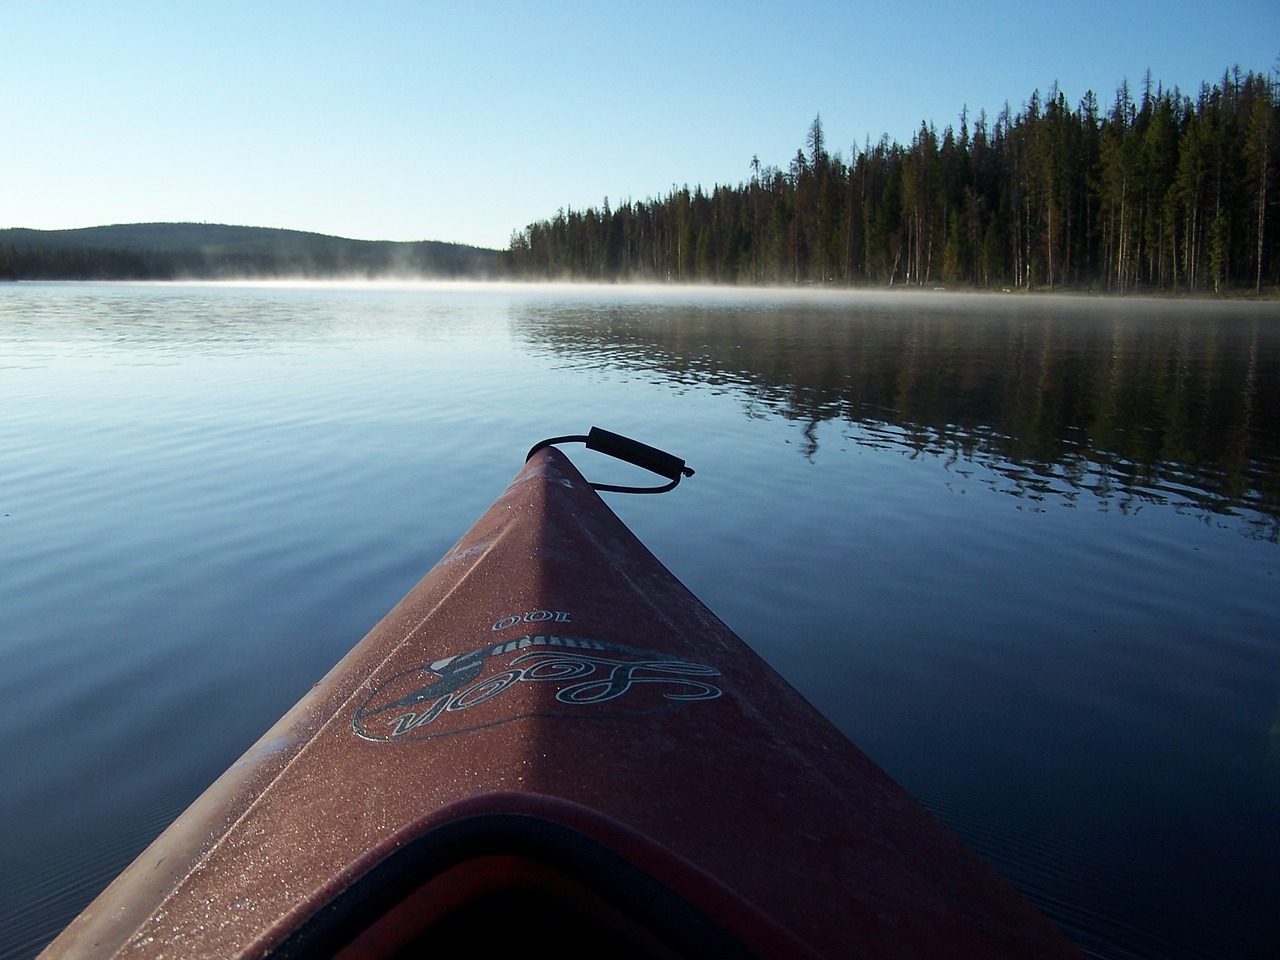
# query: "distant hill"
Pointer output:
{"type": "Point", "coordinates": [175, 251]}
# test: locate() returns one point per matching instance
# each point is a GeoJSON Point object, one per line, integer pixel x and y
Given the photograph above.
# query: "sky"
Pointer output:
{"type": "Point", "coordinates": [466, 120]}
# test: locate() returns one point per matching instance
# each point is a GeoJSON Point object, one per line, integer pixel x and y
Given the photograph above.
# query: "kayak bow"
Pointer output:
{"type": "Point", "coordinates": [551, 739]}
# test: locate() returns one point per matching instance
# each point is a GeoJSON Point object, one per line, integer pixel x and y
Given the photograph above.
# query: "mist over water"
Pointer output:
{"type": "Point", "coordinates": [1021, 550]}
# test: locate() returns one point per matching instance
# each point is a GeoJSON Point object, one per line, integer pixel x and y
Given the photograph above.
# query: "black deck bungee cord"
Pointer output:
{"type": "Point", "coordinates": [632, 451]}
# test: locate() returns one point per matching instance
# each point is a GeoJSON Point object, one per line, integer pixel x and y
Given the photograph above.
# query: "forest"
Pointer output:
{"type": "Point", "coordinates": [187, 251]}
{"type": "Point", "coordinates": [1157, 191]}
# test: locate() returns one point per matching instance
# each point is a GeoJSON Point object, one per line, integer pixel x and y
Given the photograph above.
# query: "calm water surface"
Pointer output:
{"type": "Point", "coordinates": [1022, 551]}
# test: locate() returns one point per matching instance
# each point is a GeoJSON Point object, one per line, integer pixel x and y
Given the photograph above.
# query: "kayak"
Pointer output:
{"type": "Point", "coordinates": [551, 743]}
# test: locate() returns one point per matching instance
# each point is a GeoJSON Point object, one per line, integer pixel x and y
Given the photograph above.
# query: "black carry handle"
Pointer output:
{"type": "Point", "coordinates": [632, 451]}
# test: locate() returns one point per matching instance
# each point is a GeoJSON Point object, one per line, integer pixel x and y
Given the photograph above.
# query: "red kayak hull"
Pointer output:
{"type": "Point", "coordinates": [552, 714]}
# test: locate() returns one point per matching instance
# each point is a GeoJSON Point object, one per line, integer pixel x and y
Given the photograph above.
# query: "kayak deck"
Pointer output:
{"type": "Point", "coordinates": [551, 736]}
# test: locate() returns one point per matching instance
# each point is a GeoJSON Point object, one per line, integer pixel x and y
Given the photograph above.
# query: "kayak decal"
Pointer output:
{"type": "Point", "coordinates": [429, 701]}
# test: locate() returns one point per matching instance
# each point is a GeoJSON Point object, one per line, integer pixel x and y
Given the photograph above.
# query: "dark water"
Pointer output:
{"type": "Point", "coordinates": [1022, 551]}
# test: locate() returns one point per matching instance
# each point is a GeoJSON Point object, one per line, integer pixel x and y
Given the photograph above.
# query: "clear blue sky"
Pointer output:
{"type": "Point", "coordinates": [467, 119]}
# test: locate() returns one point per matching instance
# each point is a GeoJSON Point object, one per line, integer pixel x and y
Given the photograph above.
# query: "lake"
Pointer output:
{"type": "Point", "coordinates": [1022, 550]}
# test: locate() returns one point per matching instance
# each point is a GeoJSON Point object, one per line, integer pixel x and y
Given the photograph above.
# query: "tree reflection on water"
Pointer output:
{"type": "Point", "coordinates": [1129, 402]}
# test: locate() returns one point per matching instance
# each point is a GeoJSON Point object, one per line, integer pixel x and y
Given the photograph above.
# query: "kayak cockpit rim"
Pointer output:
{"type": "Point", "coordinates": [502, 880]}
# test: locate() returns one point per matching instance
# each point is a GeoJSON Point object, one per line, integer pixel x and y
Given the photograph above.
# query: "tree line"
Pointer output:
{"type": "Point", "coordinates": [178, 251]}
{"type": "Point", "coordinates": [1158, 191]}
{"type": "Point", "coordinates": [31, 262]}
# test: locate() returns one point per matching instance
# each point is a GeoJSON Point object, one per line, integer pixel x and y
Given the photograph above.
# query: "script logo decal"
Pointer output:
{"type": "Point", "coordinates": [428, 701]}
